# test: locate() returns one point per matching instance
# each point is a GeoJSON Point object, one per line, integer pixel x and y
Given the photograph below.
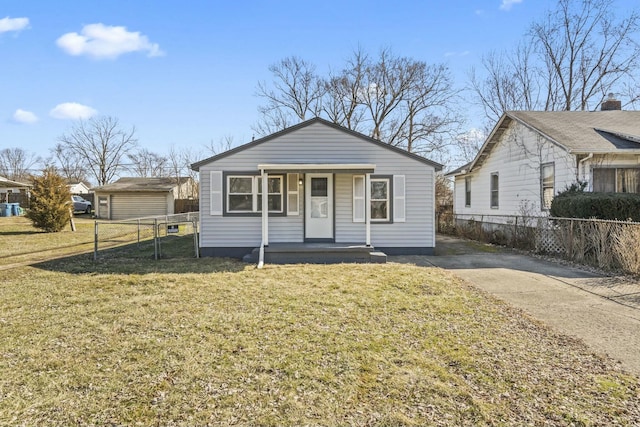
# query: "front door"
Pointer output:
{"type": "Point", "coordinates": [318, 206]}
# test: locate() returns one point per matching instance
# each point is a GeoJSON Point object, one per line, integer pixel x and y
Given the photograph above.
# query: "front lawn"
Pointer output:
{"type": "Point", "coordinates": [195, 342]}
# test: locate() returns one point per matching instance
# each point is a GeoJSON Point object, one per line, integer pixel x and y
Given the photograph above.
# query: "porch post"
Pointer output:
{"type": "Point", "coordinates": [367, 208]}
{"type": "Point", "coordinates": [265, 208]}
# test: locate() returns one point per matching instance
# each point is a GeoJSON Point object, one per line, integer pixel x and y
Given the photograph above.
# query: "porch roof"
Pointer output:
{"type": "Point", "coordinates": [317, 167]}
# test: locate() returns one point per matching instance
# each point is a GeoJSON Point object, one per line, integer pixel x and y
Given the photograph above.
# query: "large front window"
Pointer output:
{"type": "Point", "coordinates": [616, 180]}
{"type": "Point", "coordinates": [244, 194]}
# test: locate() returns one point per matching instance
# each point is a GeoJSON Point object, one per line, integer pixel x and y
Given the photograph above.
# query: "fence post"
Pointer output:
{"type": "Point", "coordinates": [571, 239]}
{"type": "Point", "coordinates": [138, 232]}
{"type": "Point", "coordinates": [155, 239]}
{"type": "Point", "coordinates": [195, 237]}
{"type": "Point", "coordinates": [95, 241]}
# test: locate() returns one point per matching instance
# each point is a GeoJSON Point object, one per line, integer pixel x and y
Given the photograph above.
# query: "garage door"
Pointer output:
{"type": "Point", "coordinates": [125, 206]}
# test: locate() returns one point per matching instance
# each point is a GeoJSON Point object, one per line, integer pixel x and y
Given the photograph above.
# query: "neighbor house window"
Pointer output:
{"type": "Point", "coordinates": [380, 199]}
{"type": "Point", "coordinates": [616, 180]}
{"type": "Point", "coordinates": [494, 190]}
{"type": "Point", "coordinates": [547, 176]}
{"type": "Point", "coordinates": [244, 194]}
{"type": "Point", "coordinates": [467, 191]}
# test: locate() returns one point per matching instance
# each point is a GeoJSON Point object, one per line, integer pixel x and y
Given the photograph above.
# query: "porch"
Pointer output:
{"type": "Point", "coordinates": [317, 253]}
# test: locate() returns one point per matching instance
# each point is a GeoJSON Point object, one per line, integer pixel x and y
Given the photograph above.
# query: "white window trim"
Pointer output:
{"type": "Point", "coordinates": [387, 199]}
{"type": "Point", "coordinates": [491, 190]}
{"type": "Point", "coordinates": [542, 186]}
{"type": "Point", "coordinates": [255, 190]}
{"type": "Point", "coordinates": [258, 187]}
{"type": "Point", "coordinates": [467, 190]}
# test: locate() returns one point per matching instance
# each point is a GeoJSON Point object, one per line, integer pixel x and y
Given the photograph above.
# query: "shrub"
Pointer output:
{"type": "Point", "coordinates": [612, 206]}
{"type": "Point", "coordinates": [50, 198]}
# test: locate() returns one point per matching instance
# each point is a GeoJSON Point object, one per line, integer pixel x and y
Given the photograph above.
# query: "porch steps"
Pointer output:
{"type": "Point", "coordinates": [317, 253]}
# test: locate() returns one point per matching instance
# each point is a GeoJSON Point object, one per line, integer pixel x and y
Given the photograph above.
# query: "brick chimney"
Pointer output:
{"type": "Point", "coordinates": [611, 104]}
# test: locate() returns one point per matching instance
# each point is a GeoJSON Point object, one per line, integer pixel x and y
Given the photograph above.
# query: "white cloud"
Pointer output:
{"type": "Point", "coordinates": [23, 116]}
{"type": "Point", "coordinates": [506, 4]}
{"type": "Point", "coordinates": [106, 42]}
{"type": "Point", "coordinates": [13, 24]}
{"type": "Point", "coordinates": [72, 111]}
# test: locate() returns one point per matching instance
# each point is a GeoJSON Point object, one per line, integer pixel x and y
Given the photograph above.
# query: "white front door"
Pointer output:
{"type": "Point", "coordinates": [318, 206]}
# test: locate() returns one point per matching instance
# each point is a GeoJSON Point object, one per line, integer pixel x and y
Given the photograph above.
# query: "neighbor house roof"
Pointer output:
{"type": "Point", "coordinates": [7, 183]}
{"type": "Point", "coordinates": [196, 166]}
{"type": "Point", "coordinates": [126, 185]}
{"type": "Point", "coordinates": [577, 132]}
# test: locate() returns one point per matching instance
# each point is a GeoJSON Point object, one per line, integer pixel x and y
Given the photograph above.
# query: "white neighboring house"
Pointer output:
{"type": "Point", "coordinates": [8, 186]}
{"type": "Point", "coordinates": [78, 188]}
{"type": "Point", "coordinates": [327, 185]}
{"type": "Point", "coordinates": [530, 156]}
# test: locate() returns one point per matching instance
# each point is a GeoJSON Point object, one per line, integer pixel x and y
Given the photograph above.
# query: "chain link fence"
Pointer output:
{"type": "Point", "coordinates": [602, 243]}
{"type": "Point", "coordinates": [168, 236]}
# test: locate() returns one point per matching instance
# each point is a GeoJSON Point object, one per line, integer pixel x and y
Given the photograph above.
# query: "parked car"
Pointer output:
{"type": "Point", "coordinates": [80, 204]}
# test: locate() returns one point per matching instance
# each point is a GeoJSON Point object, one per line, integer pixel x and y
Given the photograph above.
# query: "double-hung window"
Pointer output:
{"type": "Point", "coordinates": [547, 177]}
{"type": "Point", "coordinates": [467, 191]}
{"type": "Point", "coordinates": [495, 193]}
{"type": "Point", "coordinates": [244, 194]}
{"type": "Point", "coordinates": [380, 209]}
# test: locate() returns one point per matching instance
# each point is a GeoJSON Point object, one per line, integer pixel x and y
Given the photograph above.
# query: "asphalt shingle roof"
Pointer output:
{"type": "Point", "coordinates": [585, 131]}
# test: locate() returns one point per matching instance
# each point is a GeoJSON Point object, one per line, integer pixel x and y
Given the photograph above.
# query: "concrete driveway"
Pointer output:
{"type": "Point", "coordinates": [602, 311]}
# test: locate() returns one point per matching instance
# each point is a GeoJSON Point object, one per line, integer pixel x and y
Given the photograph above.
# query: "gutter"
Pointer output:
{"type": "Point", "coordinates": [581, 163]}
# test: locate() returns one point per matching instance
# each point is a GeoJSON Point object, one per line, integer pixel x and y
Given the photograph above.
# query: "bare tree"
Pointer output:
{"type": "Point", "coordinates": [102, 144]}
{"type": "Point", "coordinates": [511, 82]}
{"type": "Point", "coordinates": [586, 50]}
{"type": "Point", "coordinates": [16, 163]}
{"type": "Point", "coordinates": [398, 100]}
{"type": "Point", "coordinates": [295, 95]}
{"type": "Point", "coordinates": [344, 101]}
{"type": "Point", "coordinates": [68, 164]}
{"type": "Point", "coordinates": [575, 56]}
{"type": "Point", "coordinates": [179, 166]}
{"type": "Point", "coordinates": [145, 163]}
{"type": "Point", "coordinates": [225, 143]}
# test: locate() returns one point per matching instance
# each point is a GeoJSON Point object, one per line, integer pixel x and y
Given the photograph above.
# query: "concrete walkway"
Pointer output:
{"type": "Point", "coordinates": [602, 311]}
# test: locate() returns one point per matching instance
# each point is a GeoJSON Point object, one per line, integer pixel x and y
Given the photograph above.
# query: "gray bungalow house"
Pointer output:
{"type": "Point", "coordinates": [333, 195]}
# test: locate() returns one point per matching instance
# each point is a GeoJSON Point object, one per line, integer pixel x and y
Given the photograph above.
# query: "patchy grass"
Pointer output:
{"type": "Point", "coordinates": [195, 342]}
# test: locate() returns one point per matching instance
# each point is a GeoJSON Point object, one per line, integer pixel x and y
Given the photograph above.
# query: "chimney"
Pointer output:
{"type": "Point", "coordinates": [611, 104]}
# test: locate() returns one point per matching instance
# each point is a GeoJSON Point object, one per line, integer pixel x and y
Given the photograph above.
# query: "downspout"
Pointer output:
{"type": "Point", "coordinates": [581, 163]}
{"type": "Point", "coordinates": [265, 217]}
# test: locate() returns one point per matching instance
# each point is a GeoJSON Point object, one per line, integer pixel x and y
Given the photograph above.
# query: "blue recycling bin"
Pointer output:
{"type": "Point", "coordinates": [15, 209]}
{"type": "Point", "coordinates": [5, 209]}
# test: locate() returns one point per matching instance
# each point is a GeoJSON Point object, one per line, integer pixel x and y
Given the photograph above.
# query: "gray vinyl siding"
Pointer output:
{"type": "Point", "coordinates": [318, 143]}
{"type": "Point", "coordinates": [137, 205]}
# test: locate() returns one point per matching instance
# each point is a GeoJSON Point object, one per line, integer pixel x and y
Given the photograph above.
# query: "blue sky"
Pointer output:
{"type": "Point", "coordinates": [185, 72]}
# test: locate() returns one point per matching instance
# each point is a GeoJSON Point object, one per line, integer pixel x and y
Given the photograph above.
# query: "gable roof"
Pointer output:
{"type": "Point", "coordinates": [133, 184]}
{"type": "Point", "coordinates": [196, 166]}
{"type": "Point", "coordinates": [577, 132]}
{"type": "Point", "coordinates": [7, 183]}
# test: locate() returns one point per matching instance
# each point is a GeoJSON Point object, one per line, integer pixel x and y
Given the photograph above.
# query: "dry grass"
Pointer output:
{"type": "Point", "coordinates": [196, 342]}
{"type": "Point", "coordinates": [19, 241]}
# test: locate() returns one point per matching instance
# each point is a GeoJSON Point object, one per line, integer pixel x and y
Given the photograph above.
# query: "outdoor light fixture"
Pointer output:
{"type": "Point", "coordinates": [300, 181]}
